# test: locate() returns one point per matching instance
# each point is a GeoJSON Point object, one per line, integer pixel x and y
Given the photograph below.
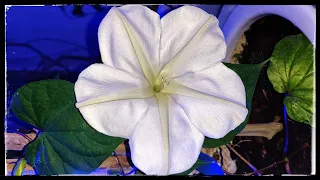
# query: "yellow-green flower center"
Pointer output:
{"type": "Point", "coordinates": [157, 87]}
{"type": "Point", "coordinates": [160, 83]}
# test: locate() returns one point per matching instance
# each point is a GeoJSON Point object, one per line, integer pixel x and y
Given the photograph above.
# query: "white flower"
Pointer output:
{"type": "Point", "coordinates": [162, 85]}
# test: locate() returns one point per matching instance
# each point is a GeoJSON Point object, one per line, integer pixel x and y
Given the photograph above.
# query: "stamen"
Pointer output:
{"type": "Point", "coordinates": [160, 84]}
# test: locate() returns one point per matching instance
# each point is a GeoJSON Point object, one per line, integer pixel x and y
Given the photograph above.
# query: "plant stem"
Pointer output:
{"type": "Point", "coordinates": [118, 162]}
{"type": "Point", "coordinates": [19, 167]}
{"type": "Point", "coordinates": [265, 95]}
{"type": "Point", "coordinates": [285, 123]}
{"type": "Point", "coordinates": [241, 141]}
{"type": "Point", "coordinates": [286, 138]}
{"type": "Point", "coordinates": [243, 159]}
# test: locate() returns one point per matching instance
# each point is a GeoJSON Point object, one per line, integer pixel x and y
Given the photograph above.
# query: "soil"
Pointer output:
{"type": "Point", "coordinates": [268, 107]}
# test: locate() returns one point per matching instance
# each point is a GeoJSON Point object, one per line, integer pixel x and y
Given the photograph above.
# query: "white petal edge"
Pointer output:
{"type": "Point", "coordinates": [214, 119]}
{"type": "Point", "coordinates": [147, 143]}
{"type": "Point", "coordinates": [184, 138]}
{"type": "Point", "coordinates": [191, 40]}
{"type": "Point", "coordinates": [100, 90]}
{"type": "Point", "coordinates": [100, 83]}
{"type": "Point", "coordinates": [129, 38]}
{"type": "Point", "coordinates": [214, 99]}
{"type": "Point", "coordinates": [117, 118]}
{"type": "Point", "coordinates": [217, 80]}
{"type": "Point", "coordinates": [149, 150]}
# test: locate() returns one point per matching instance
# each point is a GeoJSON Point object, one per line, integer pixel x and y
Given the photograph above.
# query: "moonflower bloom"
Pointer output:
{"type": "Point", "coordinates": [162, 85]}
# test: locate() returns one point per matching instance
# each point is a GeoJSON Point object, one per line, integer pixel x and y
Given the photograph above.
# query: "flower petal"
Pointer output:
{"type": "Point", "coordinates": [184, 138]}
{"type": "Point", "coordinates": [129, 38]}
{"type": "Point", "coordinates": [217, 80]}
{"type": "Point", "coordinates": [191, 40]}
{"type": "Point", "coordinates": [100, 90]}
{"type": "Point", "coordinates": [147, 143]}
{"type": "Point", "coordinates": [214, 99]}
{"type": "Point", "coordinates": [213, 119]}
{"type": "Point", "coordinates": [116, 118]}
{"type": "Point", "coordinates": [173, 148]}
{"type": "Point", "coordinates": [101, 83]}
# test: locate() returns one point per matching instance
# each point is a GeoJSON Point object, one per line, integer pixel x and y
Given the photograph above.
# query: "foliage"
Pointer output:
{"type": "Point", "coordinates": [292, 71]}
{"type": "Point", "coordinates": [65, 143]}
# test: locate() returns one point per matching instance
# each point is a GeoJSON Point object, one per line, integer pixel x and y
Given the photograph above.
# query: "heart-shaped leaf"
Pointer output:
{"type": "Point", "coordinates": [65, 143]}
{"type": "Point", "coordinates": [249, 74]}
{"type": "Point", "coordinates": [292, 70]}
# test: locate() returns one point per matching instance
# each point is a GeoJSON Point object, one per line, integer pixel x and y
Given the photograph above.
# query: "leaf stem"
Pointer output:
{"type": "Point", "coordinates": [118, 162]}
{"type": "Point", "coordinates": [286, 129]}
{"type": "Point", "coordinates": [264, 62]}
{"type": "Point", "coordinates": [286, 141]}
{"type": "Point", "coordinates": [19, 167]}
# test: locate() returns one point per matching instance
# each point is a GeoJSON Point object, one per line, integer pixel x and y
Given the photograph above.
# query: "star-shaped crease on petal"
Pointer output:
{"type": "Point", "coordinates": [184, 154]}
{"type": "Point", "coordinates": [213, 99]}
{"type": "Point", "coordinates": [105, 97]}
{"type": "Point", "coordinates": [171, 149]}
{"type": "Point", "coordinates": [161, 85]}
{"type": "Point", "coordinates": [129, 39]}
{"type": "Point", "coordinates": [191, 40]}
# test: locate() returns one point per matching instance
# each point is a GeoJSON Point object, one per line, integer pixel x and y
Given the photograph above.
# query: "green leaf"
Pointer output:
{"type": "Point", "coordinates": [249, 74]}
{"type": "Point", "coordinates": [292, 70]}
{"type": "Point", "coordinates": [65, 143]}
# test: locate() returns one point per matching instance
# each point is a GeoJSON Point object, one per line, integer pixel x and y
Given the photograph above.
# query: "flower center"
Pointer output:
{"type": "Point", "coordinates": [157, 88]}
{"type": "Point", "coordinates": [161, 83]}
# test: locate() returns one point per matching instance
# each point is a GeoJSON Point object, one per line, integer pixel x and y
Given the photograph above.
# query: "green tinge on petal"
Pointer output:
{"type": "Point", "coordinates": [176, 88]}
{"type": "Point", "coordinates": [163, 109]}
{"type": "Point", "coordinates": [145, 65]}
{"type": "Point", "coordinates": [137, 94]}
{"type": "Point", "coordinates": [176, 61]}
